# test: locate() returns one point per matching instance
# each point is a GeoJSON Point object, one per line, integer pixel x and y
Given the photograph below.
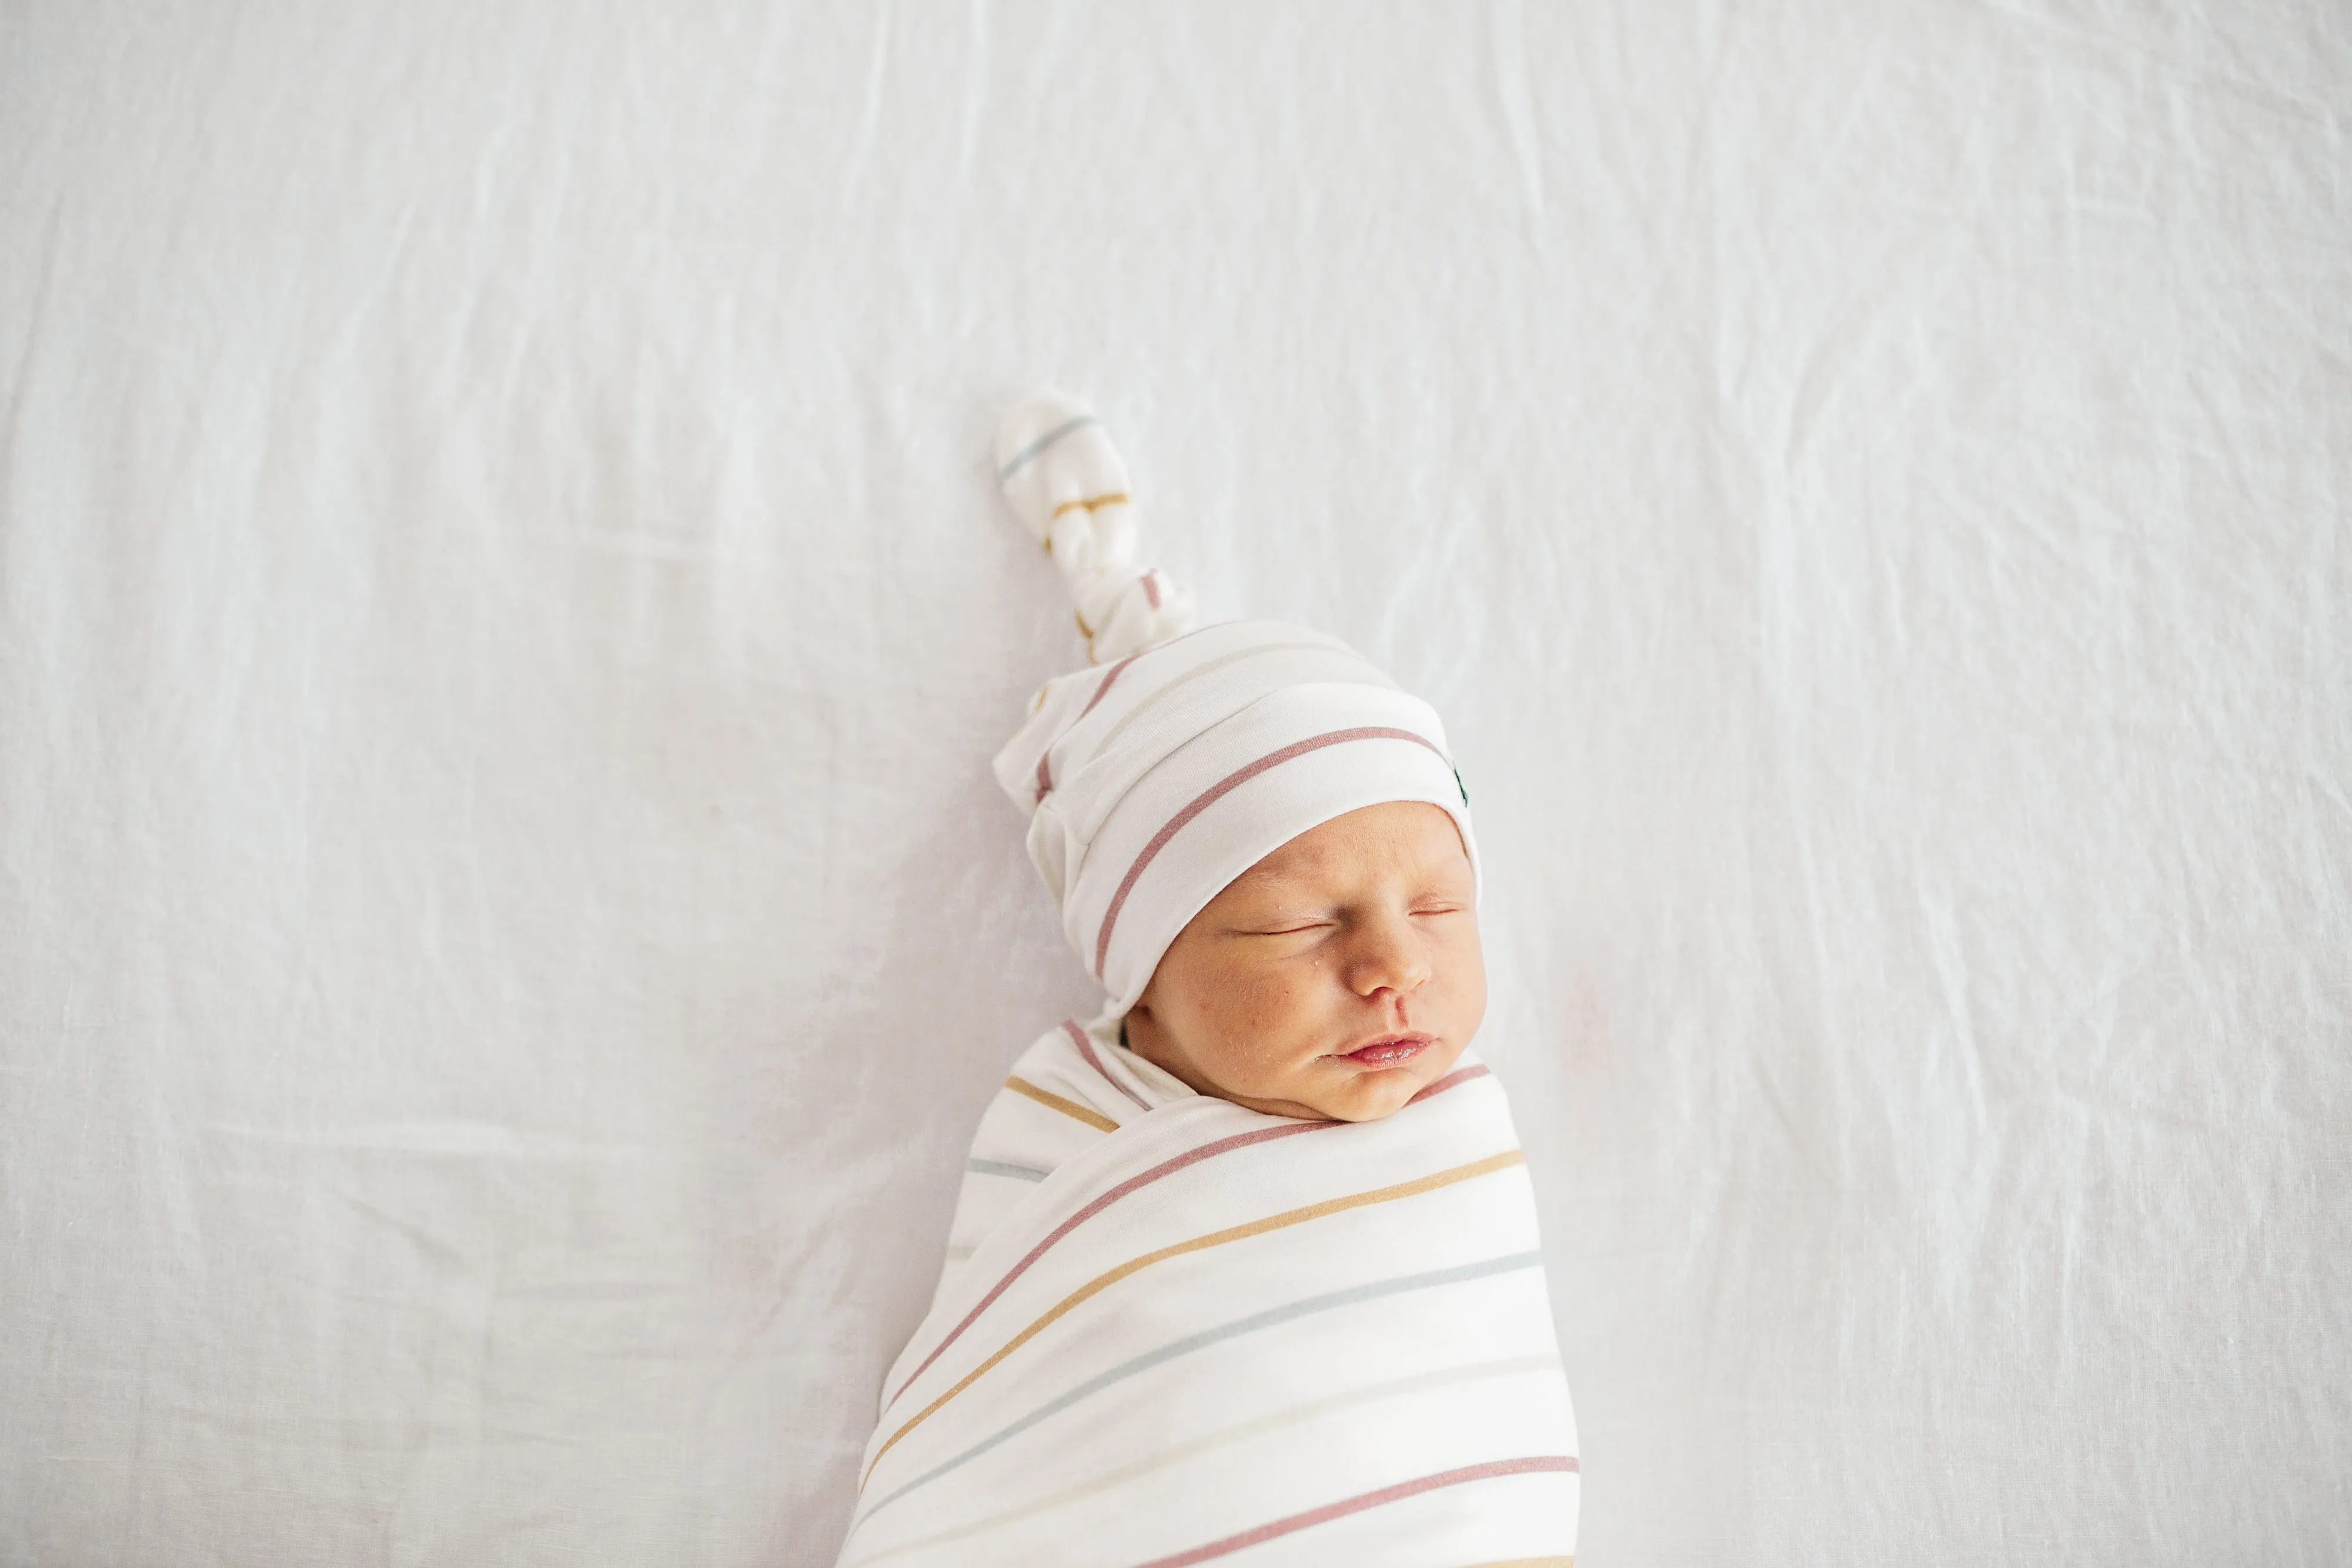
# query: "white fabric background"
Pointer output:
{"type": "Point", "coordinates": [505, 926]}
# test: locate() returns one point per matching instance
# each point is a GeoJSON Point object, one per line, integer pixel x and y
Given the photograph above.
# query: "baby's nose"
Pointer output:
{"type": "Point", "coordinates": [1391, 961]}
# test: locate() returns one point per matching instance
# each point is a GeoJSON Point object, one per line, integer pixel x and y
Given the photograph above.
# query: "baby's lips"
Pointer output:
{"type": "Point", "coordinates": [1389, 1048]}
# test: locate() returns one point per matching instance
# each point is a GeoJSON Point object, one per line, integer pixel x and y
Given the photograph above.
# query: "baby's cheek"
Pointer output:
{"type": "Point", "coordinates": [1466, 1001]}
{"type": "Point", "coordinates": [1267, 1025]}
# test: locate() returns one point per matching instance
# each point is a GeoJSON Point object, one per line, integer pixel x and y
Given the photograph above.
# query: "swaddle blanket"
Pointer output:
{"type": "Point", "coordinates": [1173, 1330]}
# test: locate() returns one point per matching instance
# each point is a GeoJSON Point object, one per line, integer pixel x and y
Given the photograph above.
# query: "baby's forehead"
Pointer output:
{"type": "Point", "coordinates": [1405, 836]}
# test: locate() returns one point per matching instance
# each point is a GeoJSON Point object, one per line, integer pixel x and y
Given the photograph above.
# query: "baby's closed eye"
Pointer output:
{"type": "Point", "coordinates": [1286, 926]}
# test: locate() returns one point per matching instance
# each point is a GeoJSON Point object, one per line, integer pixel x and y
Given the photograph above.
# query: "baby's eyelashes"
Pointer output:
{"type": "Point", "coordinates": [1301, 924]}
{"type": "Point", "coordinates": [1284, 927]}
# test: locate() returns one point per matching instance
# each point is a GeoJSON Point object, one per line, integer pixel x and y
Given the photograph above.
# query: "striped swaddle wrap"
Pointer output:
{"type": "Point", "coordinates": [1173, 1330]}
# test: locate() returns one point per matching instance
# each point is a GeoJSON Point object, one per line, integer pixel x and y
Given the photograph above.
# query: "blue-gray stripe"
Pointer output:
{"type": "Point", "coordinates": [1207, 1337]}
{"type": "Point", "coordinates": [999, 1168]}
{"type": "Point", "coordinates": [1042, 442]}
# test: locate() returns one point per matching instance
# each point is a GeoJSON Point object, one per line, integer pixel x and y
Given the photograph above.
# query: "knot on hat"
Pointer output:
{"type": "Point", "coordinates": [1122, 607]}
{"type": "Point", "coordinates": [1065, 482]}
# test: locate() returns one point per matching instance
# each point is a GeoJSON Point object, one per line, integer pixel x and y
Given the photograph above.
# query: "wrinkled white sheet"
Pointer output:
{"type": "Point", "coordinates": [504, 928]}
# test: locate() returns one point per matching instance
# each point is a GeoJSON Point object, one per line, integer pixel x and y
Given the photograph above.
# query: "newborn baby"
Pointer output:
{"type": "Point", "coordinates": [1335, 978]}
{"type": "Point", "coordinates": [1249, 1261]}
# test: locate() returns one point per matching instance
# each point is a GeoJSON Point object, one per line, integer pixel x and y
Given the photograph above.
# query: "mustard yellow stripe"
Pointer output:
{"type": "Point", "coordinates": [1053, 1101]}
{"type": "Point", "coordinates": [1113, 498]}
{"type": "Point", "coordinates": [1102, 1282]}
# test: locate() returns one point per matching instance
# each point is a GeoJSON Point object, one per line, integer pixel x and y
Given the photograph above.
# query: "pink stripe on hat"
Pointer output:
{"type": "Point", "coordinates": [1218, 792]}
{"type": "Point", "coordinates": [1104, 690]}
{"type": "Point", "coordinates": [1121, 771]}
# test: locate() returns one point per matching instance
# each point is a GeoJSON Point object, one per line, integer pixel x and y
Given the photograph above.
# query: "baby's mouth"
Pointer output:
{"type": "Point", "coordinates": [1389, 1049]}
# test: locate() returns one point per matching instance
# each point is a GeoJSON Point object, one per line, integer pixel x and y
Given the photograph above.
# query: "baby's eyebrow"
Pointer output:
{"type": "Point", "coordinates": [1285, 892]}
{"type": "Point", "coordinates": [1259, 879]}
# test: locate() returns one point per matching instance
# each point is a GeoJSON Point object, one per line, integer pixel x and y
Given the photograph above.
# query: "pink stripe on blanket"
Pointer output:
{"type": "Point", "coordinates": [1536, 1465]}
{"type": "Point", "coordinates": [1086, 1048]}
{"type": "Point", "coordinates": [1459, 1075]}
{"type": "Point", "coordinates": [1218, 792]}
{"type": "Point", "coordinates": [1134, 1184]}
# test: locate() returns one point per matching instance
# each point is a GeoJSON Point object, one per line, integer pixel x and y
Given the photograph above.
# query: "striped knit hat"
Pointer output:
{"type": "Point", "coordinates": [1152, 784]}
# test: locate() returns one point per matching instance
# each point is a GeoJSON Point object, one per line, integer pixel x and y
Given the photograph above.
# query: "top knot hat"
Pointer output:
{"type": "Point", "coordinates": [1066, 484]}
{"type": "Point", "coordinates": [1186, 756]}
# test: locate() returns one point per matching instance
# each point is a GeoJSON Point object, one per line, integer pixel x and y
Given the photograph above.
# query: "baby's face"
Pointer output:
{"type": "Point", "coordinates": [1333, 979]}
